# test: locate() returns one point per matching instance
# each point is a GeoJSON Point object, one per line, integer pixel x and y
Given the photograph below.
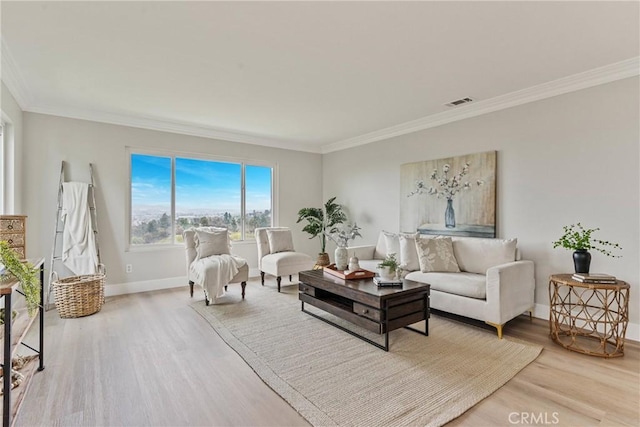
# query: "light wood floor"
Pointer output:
{"type": "Point", "coordinates": [149, 359]}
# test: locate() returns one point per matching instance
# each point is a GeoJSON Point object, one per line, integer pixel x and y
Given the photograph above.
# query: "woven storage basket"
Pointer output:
{"type": "Point", "coordinates": [79, 296]}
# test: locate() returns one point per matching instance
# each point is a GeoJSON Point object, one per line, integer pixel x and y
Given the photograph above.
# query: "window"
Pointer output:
{"type": "Point", "coordinates": [258, 199]}
{"type": "Point", "coordinates": [172, 193]}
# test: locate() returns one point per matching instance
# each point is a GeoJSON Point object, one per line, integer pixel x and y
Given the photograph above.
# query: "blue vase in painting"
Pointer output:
{"type": "Point", "coordinates": [450, 215]}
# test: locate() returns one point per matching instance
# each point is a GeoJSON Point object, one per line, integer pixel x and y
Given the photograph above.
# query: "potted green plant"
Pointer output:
{"type": "Point", "coordinates": [26, 273]}
{"type": "Point", "coordinates": [388, 267]}
{"type": "Point", "coordinates": [320, 222]}
{"type": "Point", "coordinates": [578, 239]}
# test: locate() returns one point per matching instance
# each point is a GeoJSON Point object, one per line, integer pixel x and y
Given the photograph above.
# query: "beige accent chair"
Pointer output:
{"type": "Point", "coordinates": [191, 254]}
{"type": "Point", "coordinates": [276, 255]}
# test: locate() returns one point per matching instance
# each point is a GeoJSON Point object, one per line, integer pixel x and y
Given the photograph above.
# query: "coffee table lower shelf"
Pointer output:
{"type": "Point", "coordinates": [391, 313]}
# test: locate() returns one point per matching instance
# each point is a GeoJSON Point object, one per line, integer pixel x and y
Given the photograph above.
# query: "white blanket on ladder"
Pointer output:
{"type": "Point", "coordinates": [214, 273]}
{"type": "Point", "coordinates": [79, 253]}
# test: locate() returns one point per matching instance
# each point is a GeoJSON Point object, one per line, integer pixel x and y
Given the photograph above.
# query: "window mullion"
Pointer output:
{"type": "Point", "coordinates": [173, 200]}
{"type": "Point", "coordinates": [243, 200]}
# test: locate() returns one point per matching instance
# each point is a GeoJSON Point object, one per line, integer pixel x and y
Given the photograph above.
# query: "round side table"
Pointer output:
{"type": "Point", "coordinates": [589, 318]}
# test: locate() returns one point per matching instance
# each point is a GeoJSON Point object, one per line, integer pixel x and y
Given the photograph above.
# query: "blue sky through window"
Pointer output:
{"type": "Point", "coordinates": [150, 181]}
{"type": "Point", "coordinates": [257, 181]}
{"type": "Point", "coordinates": [201, 185]}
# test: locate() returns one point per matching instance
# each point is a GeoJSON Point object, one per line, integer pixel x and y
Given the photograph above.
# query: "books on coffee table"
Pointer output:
{"type": "Point", "coordinates": [594, 278]}
{"type": "Point", "coordinates": [385, 282]}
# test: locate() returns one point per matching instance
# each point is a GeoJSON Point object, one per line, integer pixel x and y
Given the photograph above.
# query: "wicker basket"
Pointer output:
{"type": "Point", "coordinates": [79, 296]}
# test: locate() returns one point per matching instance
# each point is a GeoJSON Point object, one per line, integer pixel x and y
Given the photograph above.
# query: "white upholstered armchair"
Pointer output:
{"type": "Point", "coordinates": [276, 255]}
{"type": "Point", "coordinates": [210, 263]}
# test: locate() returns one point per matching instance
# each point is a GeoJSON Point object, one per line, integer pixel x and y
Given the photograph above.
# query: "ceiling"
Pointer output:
{"type": "Point", "coordinates": [312, 76]}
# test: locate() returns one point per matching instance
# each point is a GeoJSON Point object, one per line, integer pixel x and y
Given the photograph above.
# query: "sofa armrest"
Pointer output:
{"type": "Point", "coordinates": [363, 252]}
{"type": "Point", "coordinates": [510, 291]}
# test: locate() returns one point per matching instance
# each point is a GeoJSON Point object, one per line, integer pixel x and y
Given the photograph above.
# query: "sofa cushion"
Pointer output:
{"type": "Point", "coordinates": [369, 264]}
{"type": "Point", "coordinates": [213, 242]}
{"type": "Point", "coordinates": [436, 254]}
{"type": "Point", "coordinates": [391, 242]}
{"type": "Point", "coordinates": [465, 284]}
{"type": "Point", "coordinates": [408, 252]}
{"type": "Point", "coordinates": [476, 255]}
{"type": "Point", "coordinates": [280, 241]}
{"type": "Point", "coordinates": [284, 263]}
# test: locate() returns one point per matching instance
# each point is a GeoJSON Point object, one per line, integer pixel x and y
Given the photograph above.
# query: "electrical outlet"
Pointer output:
{"type": "Point", "coordinates": [128, 268]}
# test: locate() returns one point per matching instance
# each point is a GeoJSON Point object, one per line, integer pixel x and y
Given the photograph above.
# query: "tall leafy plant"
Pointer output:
{"type": "Point", "coordinates": [321, 221]}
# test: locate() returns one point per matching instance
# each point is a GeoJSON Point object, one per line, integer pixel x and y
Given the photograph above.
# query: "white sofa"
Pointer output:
{"type": "Point", "coordinates": [494, 285]}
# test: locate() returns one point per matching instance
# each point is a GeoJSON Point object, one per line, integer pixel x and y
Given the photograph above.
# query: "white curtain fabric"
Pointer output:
{"type": "Point", "coordinates": [79, 253]}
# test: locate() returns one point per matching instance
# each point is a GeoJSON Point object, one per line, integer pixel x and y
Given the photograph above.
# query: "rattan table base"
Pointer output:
{"type": "Point", "coordinates": [588, 318]}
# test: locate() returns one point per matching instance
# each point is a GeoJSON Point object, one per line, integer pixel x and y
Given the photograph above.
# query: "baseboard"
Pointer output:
{"type": "Point", "coordinates": [145, 286]}
{"type": "Point", "coordinates": [541, 311]}
{"type": "Point", "coordinates": [155, 285]}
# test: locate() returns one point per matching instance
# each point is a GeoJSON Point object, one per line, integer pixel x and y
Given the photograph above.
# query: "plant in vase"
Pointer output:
{"type": "Point", "coordinates": [319, 222]}
{"type": "Point", "coordinates": [578, 239]}
{"type": "Point", "coordinates": [341, 238]}
{"type": "Point", "coordinates": [388, 268]}
{"type": "Point", "coordinates": [26, 273]}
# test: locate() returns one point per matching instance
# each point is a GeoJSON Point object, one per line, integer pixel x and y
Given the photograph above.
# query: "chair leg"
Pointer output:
{"type": "Point", "coordinates": [279, 279]}
{"type": "Point", "coordinates": [262, 277]}
{"type": "Point", "coordinates": [244, 285]}
{"type": "Point", "coordinates": [206, 300]}
{"type": "Point", "coordinates": [290, 278]}
{"type": "Point", "coordinates": [191, 288]}
{"type": "Point", "coordinates": [225, 288]}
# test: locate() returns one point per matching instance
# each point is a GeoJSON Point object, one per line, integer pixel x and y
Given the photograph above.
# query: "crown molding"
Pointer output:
{"type": "Point", "coordinates": [16, 84]}
{"type": "Point", "coordinates": [163, 125]}
{"type": "Point", "coordinates": [597, 76]}
{"type": "Point", "coordinates": [12, 77]}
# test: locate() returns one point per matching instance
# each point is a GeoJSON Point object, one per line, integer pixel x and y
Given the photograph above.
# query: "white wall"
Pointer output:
{"type": "Point", "coordinates": [49, 140]}
{"type": "Point", "coordinates": [562, 160]}
{"type": "Point", "coordinates": [12, 153]}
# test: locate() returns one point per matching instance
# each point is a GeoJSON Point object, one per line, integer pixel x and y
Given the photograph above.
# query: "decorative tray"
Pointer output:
{"type": "Point", "coordinates": [349, 275]}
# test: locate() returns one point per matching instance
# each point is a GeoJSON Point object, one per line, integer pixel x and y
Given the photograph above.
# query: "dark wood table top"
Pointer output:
{"type": "Point", "coordinates": [566, 279]}
{"type": "Point", "coordinates": [366, 286]}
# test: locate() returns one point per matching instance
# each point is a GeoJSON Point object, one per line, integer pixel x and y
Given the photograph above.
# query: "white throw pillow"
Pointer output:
{"type": "Point", "coordinates": [436, 254]}
{"type": "Point", "coordinates": [391, 242]}
{"type": "Point", "coordinates": [476, 255]}
{"type": "Point", "coordinates": [208, 243]}
{"type": "Point", "coordinates": [280, 241]}
{"type": "Point", "coordinates": [408, 252]}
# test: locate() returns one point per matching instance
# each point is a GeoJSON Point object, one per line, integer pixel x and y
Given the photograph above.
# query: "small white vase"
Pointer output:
{"type": "Point", "coordinates": [342, 258]}
{"type": "Point", "coordinates": [354, 263]}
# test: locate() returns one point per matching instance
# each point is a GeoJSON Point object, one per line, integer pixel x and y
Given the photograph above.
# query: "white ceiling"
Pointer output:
{"type": "Point", "coordinates": [313, 76]}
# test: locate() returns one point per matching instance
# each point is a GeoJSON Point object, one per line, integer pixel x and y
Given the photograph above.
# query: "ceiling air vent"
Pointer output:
{"type": "Point", "coordinates": [459, 102]}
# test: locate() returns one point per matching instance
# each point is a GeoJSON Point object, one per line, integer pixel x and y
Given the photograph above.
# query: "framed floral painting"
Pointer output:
{"type": "Point", "coordinates": [453, 196]}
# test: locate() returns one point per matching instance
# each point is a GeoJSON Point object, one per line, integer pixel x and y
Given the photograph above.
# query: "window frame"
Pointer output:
{"type": "Point", "coordinates": [173, 154]}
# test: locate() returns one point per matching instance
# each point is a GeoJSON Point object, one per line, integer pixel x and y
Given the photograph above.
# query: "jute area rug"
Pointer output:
{"type": "Point", "coordinates": [332, 378]}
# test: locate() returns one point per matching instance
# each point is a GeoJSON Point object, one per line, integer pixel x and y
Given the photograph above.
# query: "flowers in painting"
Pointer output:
{"type": "Point", "coordinates": [445, 185]}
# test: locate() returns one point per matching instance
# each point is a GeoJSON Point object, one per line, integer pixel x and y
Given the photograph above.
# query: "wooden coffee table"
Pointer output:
{"type": "Point", "coordinates": [363, 303]}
